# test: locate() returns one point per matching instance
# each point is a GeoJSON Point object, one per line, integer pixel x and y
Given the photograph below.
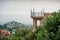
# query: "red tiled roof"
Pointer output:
{"type": "Point", "coordinates": [4, 32]}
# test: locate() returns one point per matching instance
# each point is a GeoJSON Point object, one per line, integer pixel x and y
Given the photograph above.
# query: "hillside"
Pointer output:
{"type": "Point", "coordinates": [13, 25]}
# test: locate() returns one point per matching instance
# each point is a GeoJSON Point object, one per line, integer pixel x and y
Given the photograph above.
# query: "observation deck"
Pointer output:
{"type": "Point", "coordinates": [37, 15]}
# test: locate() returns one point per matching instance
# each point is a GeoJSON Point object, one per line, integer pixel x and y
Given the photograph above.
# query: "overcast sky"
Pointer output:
{"type": "Point", "coordinates": [19, 10]}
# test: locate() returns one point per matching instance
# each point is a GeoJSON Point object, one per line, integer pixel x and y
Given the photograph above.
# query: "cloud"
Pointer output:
{"type": "Point", "coordinates": [22, 8]}
{"type": "Point", "coordinates": [57, 1]}
{"type": "Point", "coordinates": [29, 0]}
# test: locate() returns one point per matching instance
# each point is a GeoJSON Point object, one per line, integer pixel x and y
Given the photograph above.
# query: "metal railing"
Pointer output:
{"type": "Point", "coordinates": [37, 14]}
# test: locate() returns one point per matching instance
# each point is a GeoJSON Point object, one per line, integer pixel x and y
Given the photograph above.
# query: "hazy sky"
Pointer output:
{"type": "Point", "coordinates": [19, 10]}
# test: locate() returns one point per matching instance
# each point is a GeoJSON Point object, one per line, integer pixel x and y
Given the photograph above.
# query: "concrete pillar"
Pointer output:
{"type": "Point", "coordinates": [41, 22]}
{"type": "Point", "coordinates": [34, 23]}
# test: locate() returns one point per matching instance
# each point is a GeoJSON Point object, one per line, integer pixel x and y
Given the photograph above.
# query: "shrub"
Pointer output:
{"type": "Point", "coordinates": [52, 25]}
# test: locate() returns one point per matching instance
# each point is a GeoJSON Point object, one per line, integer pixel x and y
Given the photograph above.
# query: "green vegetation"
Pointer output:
{"type": "Point", "coordinates": [41, 34]}
{"type": "Point", "coordinates": [52, 25]}
{"type": "Point", "coordinates": [50, 31]}
{"type": "Point", "coordinates": [3, 37]}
